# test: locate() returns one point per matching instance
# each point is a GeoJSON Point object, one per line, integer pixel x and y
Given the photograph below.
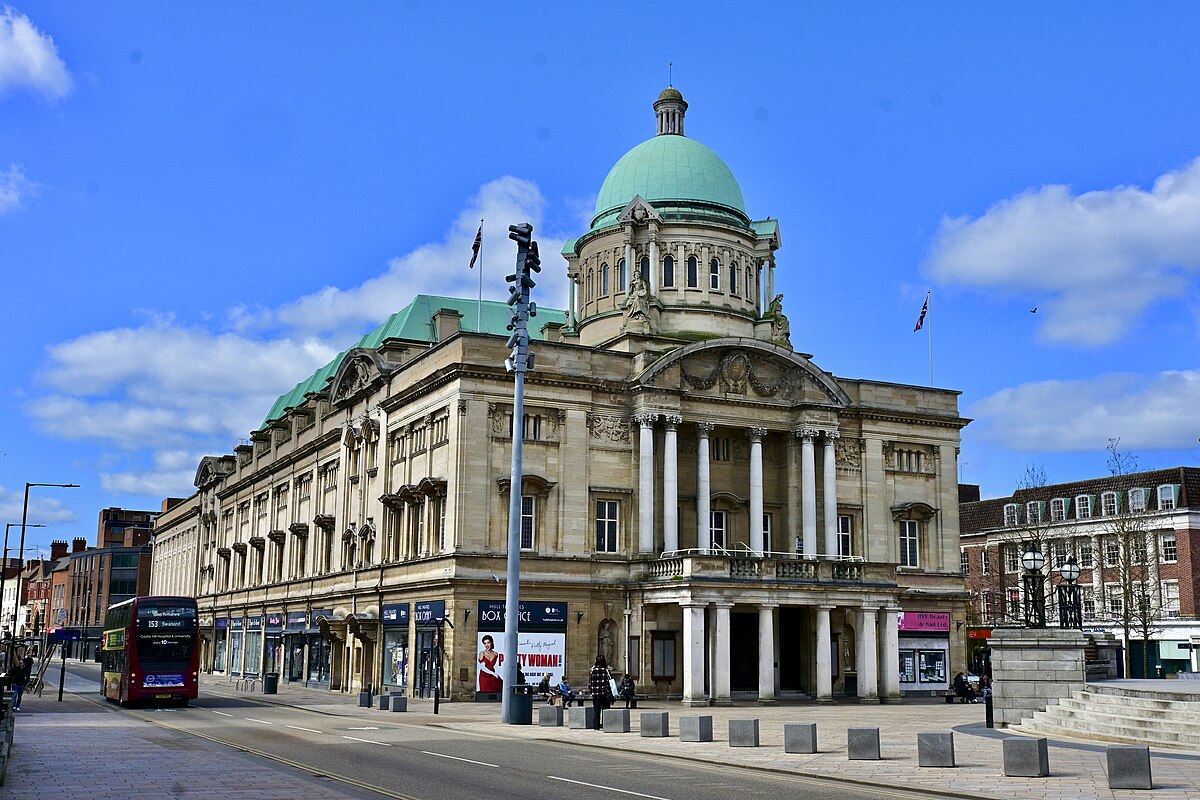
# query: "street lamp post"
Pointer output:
{"type": "Point", "coordinates": [1070, 605]}
{"type": "Point", "coordinates": [8, 526]}
{"type": "Point", "coordinates": [1035, 586]}
{"type": "Point", "coordinates": [21, 559]}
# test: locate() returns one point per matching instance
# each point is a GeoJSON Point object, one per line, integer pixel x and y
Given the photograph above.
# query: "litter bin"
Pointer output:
{"type": "Point", "coordinates": [271, 683]}
{"type": "Point", "coordinates": [522, 705]}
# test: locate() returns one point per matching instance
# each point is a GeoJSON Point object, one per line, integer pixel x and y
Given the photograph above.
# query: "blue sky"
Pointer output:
{"type": "Point", "coordinates": [200, 204]}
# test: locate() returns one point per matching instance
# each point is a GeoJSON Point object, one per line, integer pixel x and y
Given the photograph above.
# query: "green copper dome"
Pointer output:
{"type": "Point", "coordinates": [669, 170]}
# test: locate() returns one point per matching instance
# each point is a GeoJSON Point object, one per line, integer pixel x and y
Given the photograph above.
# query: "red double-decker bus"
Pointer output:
{"type": "Point", "coordinates": [151, 650]}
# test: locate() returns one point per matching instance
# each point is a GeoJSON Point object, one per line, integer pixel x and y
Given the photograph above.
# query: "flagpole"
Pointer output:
{"type": "Point", "coordinates": [479, 305]}
{"type": "Point", "coordinates": [929, 333]}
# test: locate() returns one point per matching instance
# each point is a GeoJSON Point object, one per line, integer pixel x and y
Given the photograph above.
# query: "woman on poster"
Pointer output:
{"type": "Point", "coordinates": [489, 667]}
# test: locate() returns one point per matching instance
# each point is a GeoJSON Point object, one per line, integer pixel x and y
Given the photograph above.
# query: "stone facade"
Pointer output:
{"type": "Point", "coordinates": [714, 510]}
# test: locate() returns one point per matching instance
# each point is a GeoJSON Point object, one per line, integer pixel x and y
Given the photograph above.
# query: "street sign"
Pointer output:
{"type": "Point", "coordinates": [66, 635]}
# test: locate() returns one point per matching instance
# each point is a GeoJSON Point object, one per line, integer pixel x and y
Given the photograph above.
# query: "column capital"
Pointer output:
{"type": "Point", "coordinates": [726, 604]}
{"type": "Point", "coordinates": [705, 428]}
{"type": "Point", "coordinates": [693, 604]}
{"type": "Point", "coordinates": [672, 420]}
{"type": "Point", "coordinates": [831, 436]}
{"type": "Point", "coordinates": [645, 418]}
{"type": "Point", "coordinates": [806, 434]}
{"type": "Point", "coordinates": [768, 606]}
{"type": "Point", "coordinates": [756, 434]}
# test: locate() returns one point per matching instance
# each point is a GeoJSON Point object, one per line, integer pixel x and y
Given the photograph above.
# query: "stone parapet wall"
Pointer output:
{"type": "Point", "coordinates": [1034, 668]}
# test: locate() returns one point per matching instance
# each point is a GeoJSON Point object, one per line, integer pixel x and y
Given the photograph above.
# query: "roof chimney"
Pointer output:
{"type": "Point", "coordinates": [78, 544]}
{"type": "Point", "coordinates": [57, 550]}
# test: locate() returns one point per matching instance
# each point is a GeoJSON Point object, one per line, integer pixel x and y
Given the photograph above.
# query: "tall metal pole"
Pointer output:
{"type": "Point", "coordinates": [519, 361]}
{"type": "Point", "coordinates": [21, 555]}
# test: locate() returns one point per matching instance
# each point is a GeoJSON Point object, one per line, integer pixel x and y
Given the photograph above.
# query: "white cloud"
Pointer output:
{"type": "Point", "coordinates": [29, 59]}
{"type": "Point", "coordinates": [15, 188]}
{"type": "Point", "coordinates": [171, 474]}
{"type": "Point", "coordinates": [44, 508]}
{"type": "Point", "coordinates": [1154, 412]}
{"type": "Point", "coordinates": [1093, 263]}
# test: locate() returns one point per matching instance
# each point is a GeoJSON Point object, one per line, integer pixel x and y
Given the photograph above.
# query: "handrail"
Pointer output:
{"type": "Point", "coordinates": [748, 553]}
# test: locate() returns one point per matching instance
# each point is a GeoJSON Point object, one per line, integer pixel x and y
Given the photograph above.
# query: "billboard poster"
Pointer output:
{"type": "Point", "coordinates": [541, 643]}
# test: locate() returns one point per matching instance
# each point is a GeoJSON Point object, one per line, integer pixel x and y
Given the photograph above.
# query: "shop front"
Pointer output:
{"type": "Point", "coordinates": [320, 650]}
{"type": "Point", "coordinates": [295, 642]}
{"type": "Point", "coordinates": [237, 645]}
{"type": "Point", "coordinates": [394, 618]}
{"type": "Point", "coordinates": [220, 645]}
{"type": "Point", "coordinates": [273, 644]}
{"type": "Point", "coordinates": [924, 638]}
{"type": "Point", "coordinates": [426, 618]}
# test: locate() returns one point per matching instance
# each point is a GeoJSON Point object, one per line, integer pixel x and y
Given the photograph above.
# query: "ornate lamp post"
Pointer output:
{"type": "Point", "coordinates": [1035, 586]}
{"type": "Point", "coordinates": [1070, 604]}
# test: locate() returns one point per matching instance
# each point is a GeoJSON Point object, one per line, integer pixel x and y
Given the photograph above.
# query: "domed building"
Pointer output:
{"type": "Point", "coordinates": [702, 504]}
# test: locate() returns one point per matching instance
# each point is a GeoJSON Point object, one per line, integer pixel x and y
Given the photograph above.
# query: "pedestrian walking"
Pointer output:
{"type": "Point", "coordinates": [18, 674]}
{"type": "Point", "coordinates": [600, 687]}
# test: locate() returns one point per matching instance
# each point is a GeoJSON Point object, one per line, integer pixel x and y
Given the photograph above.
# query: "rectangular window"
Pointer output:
{"type": "Point", "coordinates": [1169, 547]}
{"type": "Point", "coordinates": [733, 279]}
{"type": "Point", "coordinates": [1083, 507]}
{"type": "Point", "coordinates": [985, 562]}
{"type": "Point", "coordinates": [1014, 603]}
{"type": "Point", "coordinates": [607, 526]}
{"type": "Point", "coordinates": [662, 655]}
{"type": "Point", "coordinates": [1058, 553]}
{"type": "Point", "coordinates": [719, 446]}
{"type": "Point", "coordinates": [1137, 499]}
{"type": "Point", "coordinates": [1108, 504]}
{"type": "Point", "coordinates": [845, 535]}
{"type": "Point", "coordinates": [668, 275]}
{"type": "Point", "coordinates": [1012, 558]}
{"type": "Point", "coordinates": [964, 562]}
{"type": "Point", "coordinates": [1011, 515]}
{"type": "Point", "coordinates": [910, 534]}
{"type": "Point", "coordinates": [1087, 559]}
{"type": "Point", "coordinates": [1033, 511]}
{"type": "Point", "coordinates": [718, 526]}
{"type": "Point", "coordinates": [635, 657]}
{"type": "Point", "coordinates": [693, 279]}
{"type": "Point", "coordinates": [767, 537]}
{"type": "Point", "coordinates": [1112, 551]}
{"type": "Point", "coordinates": [714, 275]}
{"type": "Point", "coordinates": [1170, 599]}
{"type": "Point", "coordinates": [441, 524]}
{"type": "Point", "coordinates": [1115, 601]}
{"type": "Point", "coordinates": [1058, 509]}
{"type": "Point", "coordinates": [1166, 497]}
{"type": "Point", "coordinates": [1087, 597]}
{"type": "Point", "coordinates": [528, 507]}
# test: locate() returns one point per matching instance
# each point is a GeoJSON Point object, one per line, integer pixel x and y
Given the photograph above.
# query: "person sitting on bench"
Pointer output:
{"type": "Point", "coordinates": [962, 688]}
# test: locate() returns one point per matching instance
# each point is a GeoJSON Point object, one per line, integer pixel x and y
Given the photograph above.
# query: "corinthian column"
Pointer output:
{"type": "Point", "coordinates": [808, 491]}
{"type": "Point", "coordinates": [756, 488]}
{"type": "Point", "coordinates": [829, 488]}
{"type": "Point", "coordinates": [703, 489]}
{"type": "Point", "coordinates": [671, 483]}
{"type": "Point", "coordinates": [646, 482]}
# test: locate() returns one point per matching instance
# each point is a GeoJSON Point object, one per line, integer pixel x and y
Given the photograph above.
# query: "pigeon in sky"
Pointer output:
{"type": "Point", "coordinates": [1033, 310]}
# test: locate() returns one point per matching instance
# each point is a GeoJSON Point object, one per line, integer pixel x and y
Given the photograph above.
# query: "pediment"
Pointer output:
{"type": "Point", "coordinates": [639, 212]}
{"type": "Point", "coordinates": [212, 469]}
{"type": "Point", "coordinates": [359, 370]}
{"type": "Point", "coordinates": [754, 369]}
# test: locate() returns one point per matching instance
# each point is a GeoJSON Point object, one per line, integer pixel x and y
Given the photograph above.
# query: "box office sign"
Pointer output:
{"type": "Point", "coordinates": [394, 614]}
{"type": "Point", "coordinates": [924, 621]}
{"type": "Point", "coordinates": [541, 642]}
{"type": "Point", "coordinates": [429, 611]}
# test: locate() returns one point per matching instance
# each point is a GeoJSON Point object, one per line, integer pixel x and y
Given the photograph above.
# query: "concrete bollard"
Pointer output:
{"type": "Point", "coordinates": [800, 737]}
{"type": "Point", "coordinates": [862, 744]}
{"type": "Point", "coordinates": [581, 717]}
{"type": "Point", "coordinates": [1129, 767]}
{"type": "Point", "coordinates": [364, 699]}
{"type": "Point", "coordinates": [399, 703]}
{"type": "Point", "coordinates": [384, 702]}
{"type": "Point", "coordinates": [550, 716]}
{"type": "Point", "coordinates": [1026, 758]}
{"type": "Point", "coordinates": [695, 729]}
{"type": "Point", "coordinates": [655, 724]}
{"type": "Point", "coordinates": [935, 749]}
{"type": "Point", "coordinates": [743, 733]}
{"type": "Point", "coordinates": [615, 720]}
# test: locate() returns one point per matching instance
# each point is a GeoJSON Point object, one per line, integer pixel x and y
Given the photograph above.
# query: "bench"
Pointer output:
{"type": "Point", "coordinates": [950, 696]}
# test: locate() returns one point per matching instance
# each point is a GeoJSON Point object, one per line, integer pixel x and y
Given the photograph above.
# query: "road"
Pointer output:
{"type": "Point", "coordinates": [421, 762]}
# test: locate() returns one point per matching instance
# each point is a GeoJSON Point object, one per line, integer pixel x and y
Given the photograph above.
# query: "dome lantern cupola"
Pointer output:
{"type": "Point", "coordinates": [670, 108]}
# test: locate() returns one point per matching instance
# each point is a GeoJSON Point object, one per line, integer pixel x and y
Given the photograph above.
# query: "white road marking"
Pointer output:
{"type": "Point", "coordinates": [456, 758]}
{"type": "Point", "coordinates": [222, 713]}
{"type": "Point", "coordinates": [608, 788]}
{"type": "Point", "coordinates": [363, 728]}
{"type": "Point", "coordinates": [365, 741]}
{"type": "Point", "coordinates": [298, 728]}
{"type": "Point", "coordinates": [259, 721]}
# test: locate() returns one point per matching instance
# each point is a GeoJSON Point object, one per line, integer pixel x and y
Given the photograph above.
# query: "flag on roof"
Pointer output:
{"type": "Point", "coordinates": [924, 311]}
{"type": "Point", "coordinates": [476, 246]}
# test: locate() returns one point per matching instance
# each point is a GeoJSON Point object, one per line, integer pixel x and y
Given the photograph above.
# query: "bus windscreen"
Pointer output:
{"type": "Point", "coordinates": [166, 634]}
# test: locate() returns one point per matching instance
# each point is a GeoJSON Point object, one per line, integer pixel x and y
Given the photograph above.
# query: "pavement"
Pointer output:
{"type": "Point", "coordinates": [126, 750]}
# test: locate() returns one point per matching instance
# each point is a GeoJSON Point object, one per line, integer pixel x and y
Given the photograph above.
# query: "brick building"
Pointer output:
{"type": "Point", "coordinates": [114, 523]}
{"type": "Point", "coordinates": [1144, 526]}
{"type": "Point", "coordinates": [98, 577]}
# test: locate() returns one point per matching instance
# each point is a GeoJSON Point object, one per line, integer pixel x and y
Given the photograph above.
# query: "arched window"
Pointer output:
{"type": "Point", "coordinates": [645, 269]}
{"type": "Point", "coordinates": [714, 275]}
{"type": "Point", "coordinates": [669, 272]}
{"type": "Point", "coordinates": [621, 275]}
{"type": "Point", "coordinates": [603, 280]}
{"type": "Point", "coordinates": [733, 278]}
{"type": "Point", "coordinates": [693, 268]}
{"type": "Point", "coordinates": [589, 285]}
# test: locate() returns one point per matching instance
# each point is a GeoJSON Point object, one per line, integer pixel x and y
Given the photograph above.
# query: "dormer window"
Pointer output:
{"type": "Point", "coordinates": [1083, 506]}
{"type": "Point", "coordinates": [1168, 497]}
{"type": "Point", "coordinates": [1011, 515]}
{"type": "Point", "coordinates": [1109, 504]}
{"type": "Point", "coordinates": [1033, 511]}
{"type": "Point", "coordinates": [1058, 509]}
{"type": "Point", "coordinates": [1137, 499]}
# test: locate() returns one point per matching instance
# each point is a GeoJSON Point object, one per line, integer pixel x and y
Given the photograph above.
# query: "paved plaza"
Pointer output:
{"type": "Point", "coordinates": [65, 747]}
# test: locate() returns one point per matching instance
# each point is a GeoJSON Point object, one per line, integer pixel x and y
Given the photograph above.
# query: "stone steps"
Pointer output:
{"type": "Point", "coordinates": [1118, 714]}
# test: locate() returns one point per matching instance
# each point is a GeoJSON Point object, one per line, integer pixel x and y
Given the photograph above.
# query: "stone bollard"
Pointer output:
{"type": "Point", "coordinates": [743, 733]}
{"type": "Point", "coordinates": [615, 720]}
{"type": "Point", "coordinates": [862, 744]}
{"type": "Point", "coordinates": [399, 703]}
{"type": "Point", "coordinates": [655, 724]}
{"type": "Point", "coordinates": [800, 737]}
{"type": "Point", "coordinates": [695, 729]}
{"type": "Point", "coordinates": [935, 749]}
{"type": "Point", "coordinates": [1026, 758]}
{"type": "Point", "coordinates": [364, 699]}
{"type": "Point", "coordinates": [1129, 766]}
{"type": "Point", "coordinates": [384, 702]}
{"type": "Point", "coordinates": [581, 717]}
{"type": "Point", "coordinates": [550, 716]}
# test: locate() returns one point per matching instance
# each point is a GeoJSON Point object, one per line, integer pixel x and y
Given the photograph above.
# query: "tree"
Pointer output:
{"type": "Point", "coordinates": [1140, 608]}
